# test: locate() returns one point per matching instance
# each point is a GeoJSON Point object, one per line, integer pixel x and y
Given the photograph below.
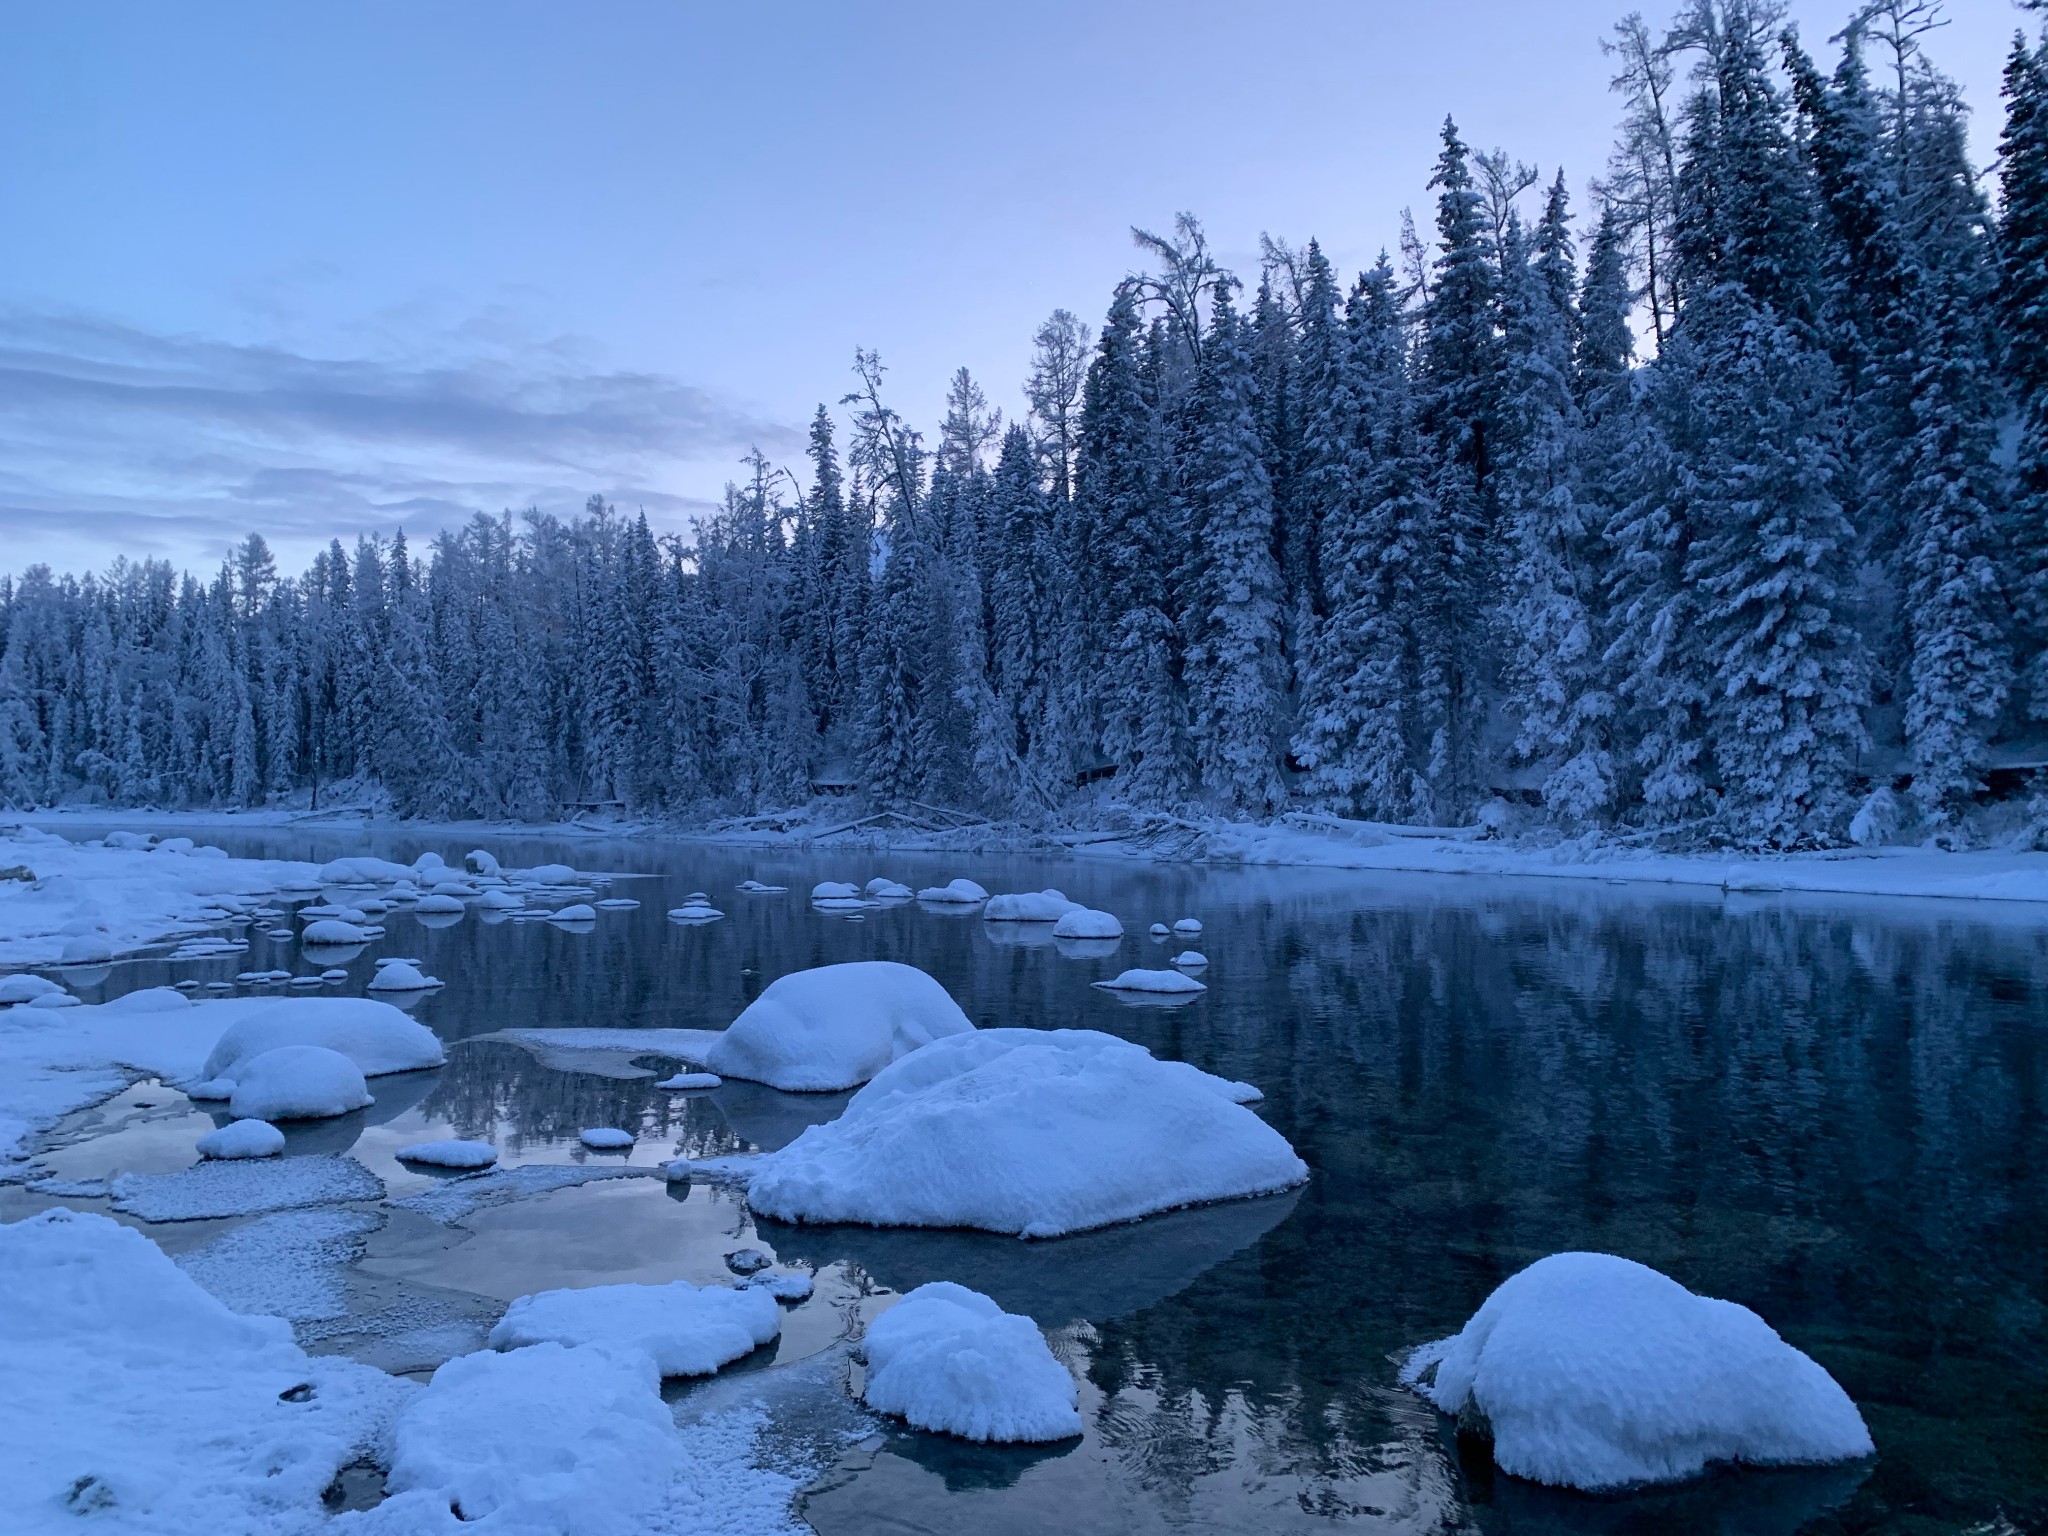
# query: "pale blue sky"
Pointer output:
{"type": "Point", "coordinates": [320, 269]}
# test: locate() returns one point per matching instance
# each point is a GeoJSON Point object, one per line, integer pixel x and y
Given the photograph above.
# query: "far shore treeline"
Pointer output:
{"type": "Point", "coordinates": [1717, 509]}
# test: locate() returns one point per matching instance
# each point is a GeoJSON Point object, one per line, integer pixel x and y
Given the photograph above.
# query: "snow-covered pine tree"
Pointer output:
{"type": "Point", "coordinates": [1234, 663]}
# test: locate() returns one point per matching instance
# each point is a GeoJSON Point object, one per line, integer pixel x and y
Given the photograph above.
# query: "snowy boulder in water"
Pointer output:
{"type": "Point", "coordinates": [949, 1359]}
{"type": "Point", "coordinates": [551, 874]}
{"type": "Point", "coordinates": [1152, 981]}
{"type": "Point", "coordinates": [954, 892]}
{"type": "Point", "coordinates": [1597, 1372]}
{"type": "Point", "coordinates": [761, 888]}
{"type": "Point", "coordinates": [402, 976]}
{"type": "Point", "coordinates": [684, 1080]}
{"type": "Point", "coordinates": [1033, 1132]}
{"type": "Point", "coordinates": [881, 889]}
{"type": "Point", "coordinates": [25, 988]}
{"type": "Point", "coordinates": [479, 861]}
{"type": "Point", "coordinates": [362, 871]}
{"type": "Point", "coordinates": [297, 1082]}
{"type": "Point", "coordinates": [1083, 923]}
{"type": "Point", "coordinates": [605, 1138]}
{"type": "Point", "coordinates": [835, 890]}
{"type": "Point", "coordinates": [1188, 925]}
{"type": "Point", "coordinates": [450, 1154]}
{"type": "Point", "coordinates": [836, 1026]}
{"type": "Point", "coordinates": [575, 912]}
{"type": "Point", "coordinates": [377, 1037]}
{"type": "Point", "coordinates": [684, 1329]}
{"type": "Point", "coordinates": [242, 1138]}
{"type": "Point", "coordinates": [1047, 906]}
{"type": "Point", "coordinates": [500, 901]}
{"type": "Point", "coordinates": [445, 904]}
{"type": "Point", "coordinates": [1191, 959]}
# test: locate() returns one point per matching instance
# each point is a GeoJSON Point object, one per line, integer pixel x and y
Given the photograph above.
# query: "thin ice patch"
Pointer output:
{"type": "Point", "coordinates": [244, 1188]}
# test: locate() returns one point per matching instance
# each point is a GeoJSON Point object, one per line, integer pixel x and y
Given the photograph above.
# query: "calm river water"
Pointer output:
{"type": "Point", "coordinates": [1832, 1112]}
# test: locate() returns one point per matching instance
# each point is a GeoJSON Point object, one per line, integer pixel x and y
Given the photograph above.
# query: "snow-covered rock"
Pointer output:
{"type": "Point", "coordinates": [551, 874]}
{"type": "Point", "coordinates": [1084, 923]}
{"type": "Point", "coordinates": [783, 1285]}
{"type": "Point", "coordinates": [605, 1138]}
{"type": "Point", "coordinates": [24, 987]}
{"type": "Point", "coordinates": [1152, 981]}
{"type": "Point", "coordinates": [955, 892]}
{"type": "Point", "coordinates": [1597, 1372]}
{"type": "Point", "coordinates": [1160, 931]}
{"type": "Point", "coordinates": [618, 904]}
{"type": "Point", "coordinates": [362, 871]}
{"type": "Point", "coordinates": [835, 890]}
{"type": "Point", "coordinates": [684, 1080]}
{"type": "Point", "coordinates": [297, 1082]}
{"type": "Point", "coordinates": [53, 1000]}
{"type": "Point", "coordinates": [949, 1359]}
{"type": "Point", "coordinates": [500, 901]}
{"type": "Point", "coordinates": [139, 1403]}
{"type": "Point", "coordinates": [1034, 1132]}
{"type": "Point", "coordinates": [761, 888]}
{"type": "Point", "coordinates": [450, 1154]}
{"type": "Point", "coordinates": [835, 1026]}
{"type": "Point", "coordinates": [481, 861]}
{"type": "Point", "coordinates": [377, 1037]}
{"type": "Point", "coordinates": [1189, 925]}
{"type": "Point", "coordinates": [883, 889]}
{"type": "Point", "coordinates": [242, 1138]}
{"type": "Point", "coordinates": [402, 976]}
{"type": "Point", "coordinates": [1192, 959]}
{"type": "Point", "coordinates": [695, 912]}
{"type": "Point", "coordinates": [575, 912]}
{"type": "Point", "coordinates": [1047, 906]}
{"type": "Point", "coordinates": [684, 1329]}
{"type": "Point", "coordinates": [440, 903]}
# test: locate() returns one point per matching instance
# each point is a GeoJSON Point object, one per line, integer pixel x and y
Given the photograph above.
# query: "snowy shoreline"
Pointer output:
{"type": "Point", "coordinates": [1306, 843]}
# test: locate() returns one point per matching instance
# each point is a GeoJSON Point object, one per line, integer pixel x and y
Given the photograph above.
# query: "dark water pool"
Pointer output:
{"type": "Point", "coordinates": [1832, 1113]}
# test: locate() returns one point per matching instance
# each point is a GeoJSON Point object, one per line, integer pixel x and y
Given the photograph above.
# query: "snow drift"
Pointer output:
{"type": "Point", "coordinates": [685, 1330]}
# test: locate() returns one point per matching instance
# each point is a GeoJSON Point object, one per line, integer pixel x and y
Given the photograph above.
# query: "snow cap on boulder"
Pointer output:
{"type": "Point", "coordinates": [835, 1026]}
{"type": "Point", "coordinates": [297, 1082]}
{"type": "Point", "coordinates": [377, 1037]}
{"type": "Point", "coordinates": [1597, 1372]}
{"type": "Point", "coordinates": [949, 1359]}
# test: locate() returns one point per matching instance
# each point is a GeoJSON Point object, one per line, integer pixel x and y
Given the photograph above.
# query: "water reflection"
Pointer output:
{"type": "Point", "coordinates": [1832, 1113]}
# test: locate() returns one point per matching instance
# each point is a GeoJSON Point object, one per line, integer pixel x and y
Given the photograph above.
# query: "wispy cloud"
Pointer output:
{"type": "Point", "coordinates": [118, 440]}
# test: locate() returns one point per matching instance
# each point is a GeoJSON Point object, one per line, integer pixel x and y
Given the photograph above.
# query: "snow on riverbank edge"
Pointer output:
{"type": "Point", "coordinates": [1304, 842]}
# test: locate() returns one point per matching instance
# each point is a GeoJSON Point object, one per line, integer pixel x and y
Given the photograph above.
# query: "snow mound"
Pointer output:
{"type": "Point", "coordinates": [1033, 1132]}
{"type": "Point", "coordinates": [243, 1188]}
{"type": "Point", "coordinates": [684, 1329]}
{"type": "Point", "coordinates": [947, 1358]}
{"type": "Point", "coordinates": [1159, 931]}
{"type": "Point", "coordinates": [551, 874]}
{"type": "Point", "coordinates": [835, 1026]}
{"type": "Point", "coordinates": [618, 904]}
{"type": "Point", "coordinates": [480, 861]}
{"type": "Point", "coordinates": [377, 1037]}
{"type": "Point", "coordinates": [242, 1138]}
{"type": "Point", "coordinates": [962, 892]}
{"type": "Point", "coordinates": [605, 1138]}
{"type": "Point", "coordinates": [789, 1285]}
{"type": "Point", "coordinates": [438, 902]}
{"type": "Point", "coordinates": [691, 1080]}
{"type": "Point", "coordinates": [1188, 925]}
{"type": "Point", "coordinates": [1597, 1372]}
{"type": "Point", "coordinates": [332, 930]}
{"type": "Point", "coordinates": [500, 901]}
{"type": "Point", "coordinates": [142, 1404]}
{"type": "Point", "coordinates": [297, 1082]}
{"type": "Point", "coordinates": [883, 889]}
{"type": "Point", "coordinates": [1047, 906]}
{"type": "Point", "coordinates": [759, 888]}
{"type": "Point", "coordinates": [23, 987]}
{"type": "Point", "coordinates": [54, 1000]}
{"type": "Point", "coordinates": [402, 976]}
{"type": "Point", "coordinates": [1084, 923]}
{"type": "Point", "coordinates": [1191, 958]}
{"type": "Point", "coordinates": [575, 912]}
{"type": "Point", "coordinates": [362, 871]}
{"type": "Point", "coordinates": [695, 912]}
{"type": "Point", "coordinates": [450, 1154]}
{"type": "Point", "coordinates": [835, 890]}
{"type": "Point", "coordinates": [1152, 981]}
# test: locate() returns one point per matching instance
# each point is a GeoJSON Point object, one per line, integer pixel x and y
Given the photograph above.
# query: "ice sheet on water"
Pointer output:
{"type": "Point", "coordinates": [244, 1188]}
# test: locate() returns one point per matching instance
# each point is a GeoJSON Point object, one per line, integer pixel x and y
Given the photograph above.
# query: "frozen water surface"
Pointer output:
{"type": "Point", "coordinates": [1824, 1109]}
